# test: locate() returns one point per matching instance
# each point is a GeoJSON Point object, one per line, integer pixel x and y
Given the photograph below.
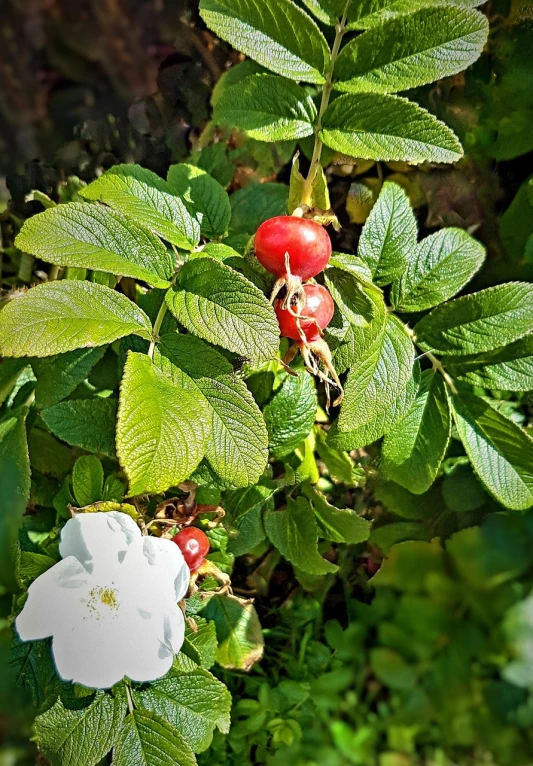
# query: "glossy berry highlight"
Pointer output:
{"type": "Point", "coordinates": [194, 544]}
{"type": "Point", "coordinates": [307, 243]}
{"type": "Point", "coordinates": [318, 311]}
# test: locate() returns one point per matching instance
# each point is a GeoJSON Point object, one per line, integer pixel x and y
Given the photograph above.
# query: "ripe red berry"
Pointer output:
{"type": "Point", "coordinates": [194, 544]}
{"type": "Point", "coordinates": [307, 243]}
{"type": "Point", "coordinates": [319, 307]}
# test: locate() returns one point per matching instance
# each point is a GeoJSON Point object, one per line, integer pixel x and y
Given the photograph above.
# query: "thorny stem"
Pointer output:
{"type": "Point", "coordinates": [437, 364]}
{"type": "Point", "coordinates": [340, 29]}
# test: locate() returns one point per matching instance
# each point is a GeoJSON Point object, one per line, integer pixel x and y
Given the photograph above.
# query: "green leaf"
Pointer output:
{"type": "Point", "coordinates": [162, 427]}
{"type": "Point", "coordinates": [85, 423]}
{"type": "Point", "coordinates": [509, 368]}
{"type": "Point", "coordinates": [290, 414]}
{"type": "Point", "coordinates": [350, 296]}
{"type": "Point", "coordinates": [389, 235]}
{"type": "Point", "coordinates": [252, 205]}
{"type": "Point", "coordinates": [238, 446]}
{"type": "Point", "coordinates": [48, 455]}
{"type": "Point", "coordinates": [201, 643]}
{"type": "Point", "coordinates": [326, 11]}
{"type": "Point", "coordinates": [82, 736]}
{"type": "Point", "coordinates": [268, 108]}
{"type": "Point", "coordinates": [379, 425]}
{"type": "Point", "coordinates": [240, 640]}
{"type": "Point", "coordinates": [223, 307]}
{"type": "Point", "coordinates": [14, 451]}
{"type": "Point", "coordinates": [368, 14]}
{"type": "Point", "coordinates": [373, 126]}
{"type": "Point", "coordinates": [87, 480]}
{"type": "Point", "coordinates": [191, 699]}
{"type": "Point", "coordinates": [244, 509]}
{"type": "Point", "coordinates": [348, 341]}
{"type": "Point", "coordinates": [391, 669]}
{"type": "Point", "coordinates": [58, 376]}
{"type": "Point", "coordinates": [204, 196]}
{"type": "Point", "coordinates": [442, 264]}
{"type": "Point", "coordinates": [388, 535]}
{"type": "Point", "coordinates": [294, 532]}
{"type": "Point", "coordinates": [339, 464]}
{"type": "Point", "coordinates": [413, 450]}
{"type": "Point", "coordinates": [280, 36]}
{"type": "Point", "coordinates": [379, 377]}
{"type": "Point", "coordinates": [61, 316]}
{"type": "Point", "coordinates": [339, 526]}
{"type": "Point", "coordinates": [98, 238]}
{"type": "Point", "coordinates": [499, 450]}
{"type": "Point", "coordinates": [148, 740]}
{"type": "Point", "coordinates": [480, 322]}
{"type": "Point", "coordinates": [148, 200]}
{"type": "Point", "coordinates": [10, 370]}
{"type": "Point", "coordinates": [32, 565]}
{"type": "Point", "coordinates": [413, 50]}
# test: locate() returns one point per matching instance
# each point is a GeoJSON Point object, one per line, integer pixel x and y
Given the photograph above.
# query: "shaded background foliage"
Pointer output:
{"type": "Point", "coordinates": [422, 664]}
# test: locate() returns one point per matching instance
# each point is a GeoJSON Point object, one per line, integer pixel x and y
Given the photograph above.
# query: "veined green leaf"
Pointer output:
{"type": "Point", "coordinates": [294, 532]}
{"type": "Point", "coordinates": [10, 371]}
{"type": "Point", "coordinates": [350, 342]}
{"type": "Point", "coordinates": [278, 35]}
{"type": "Point", "coordinates": [146, 198]}
{"type": "Point", "coordinates": [350, 296]}
{"type": "Point", "coordinates": [412, 50]}
{"type": "Point", "coordinates": [87, 480]}
{"type": "Point", "coordinates": [509, 368]}
{"type": "Point", "coordinates": [381, 423]}
{"type": "Point", "coordinates": [499, 450]}
{"type": "Point", "coordinates": [389, 235]}
{"type": "Point", "coordinates": [380, 377]}
{"type": "Point", "coordinates": [14, 451]}
{"type": "Point", "coordinates": [374, 126]}
{"type": "Point", "coordinates": [221, 306]}
{"type": "Point", "coordinates": [368, 14]}
{"type": "Point", "coordinates": [240, 639]}
{"type": "Point", "coordinates": [339, 526]}
{"type": "Point", "coordinates": [58, 376]}
{"type": "Point", "coordinates": [148, 740]}
{"type": "Point", "coordinates": [85, 423]}
{"type": "Point", "coordinates": [413, 450]}
{"type": "Point", "coordinates": [204, 196]}
{"type": "Point", "coordinates": [480, 322]}
{"type": "Point", "coordinates": [326, 11]}
{"type": "Point", "coordinates": [252, 205]}
{"type": "Point", "coordinates": [191, 700]}
{"type": "Point", "coordinates": [268, 108]}
{"type": "Point", "coordinates": [95, 237]}
{"type": "Point", "coordinates": [162, 427]}
{"type": "Point", "coordinates": [441, 265]}
{"type": "Point", "coordinates": [82, 736]}
{"type": "Point", "coordinates": [238, 447]}
{"type": "Point", "coordinates": [291, 413]}
{"type": "Point", "coordinates": [61, 316]}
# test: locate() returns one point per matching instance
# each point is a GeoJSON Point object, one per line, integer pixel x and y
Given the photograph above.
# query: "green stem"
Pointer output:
{"type": "Point", "coordinates": [53, 274]}
{"type": "Point", "coordinates": [129, 699]}
{"type": "Point", "coordinates": [157, 326]}
{"type": "Point", "coordinates": [340, 29]}
{"type": "Point", "coordinates": [437, 364]}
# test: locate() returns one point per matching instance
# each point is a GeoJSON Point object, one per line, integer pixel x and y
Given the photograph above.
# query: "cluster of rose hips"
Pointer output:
{"type": "Point", "coordinates": [295, 250]}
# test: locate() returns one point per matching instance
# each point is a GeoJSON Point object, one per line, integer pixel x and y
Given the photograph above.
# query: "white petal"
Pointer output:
{"type": "Point", "coordinates": [95, 538]}
{"type": "Point", "coordinates": [52, 597]}
{"type": "Point", "coordinates": [98, 654]}
{"type": "Point", "coordinates": [167, 560]}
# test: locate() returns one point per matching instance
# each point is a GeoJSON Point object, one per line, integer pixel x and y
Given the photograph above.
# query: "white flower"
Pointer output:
{"type": "Point", "coordinates": [110, 604]}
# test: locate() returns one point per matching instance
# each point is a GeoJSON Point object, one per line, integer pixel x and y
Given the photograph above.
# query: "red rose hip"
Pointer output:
{"type": "Point", "coordinates": [194, 544]}
{"type": "Point", "coordinates": [307, 243]}
{"type": "Point", "coordinates": [318, 307]}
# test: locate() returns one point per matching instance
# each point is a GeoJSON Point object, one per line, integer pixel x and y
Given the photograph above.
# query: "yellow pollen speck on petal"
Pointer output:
{"type": "Point", "coordinates": [105, 596]}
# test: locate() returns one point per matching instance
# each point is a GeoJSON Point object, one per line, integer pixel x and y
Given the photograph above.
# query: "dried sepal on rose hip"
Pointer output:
{"type": "Point", "coordinates": [304, 322]}
{"type": "Point", "coordinates": [293, 250]}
